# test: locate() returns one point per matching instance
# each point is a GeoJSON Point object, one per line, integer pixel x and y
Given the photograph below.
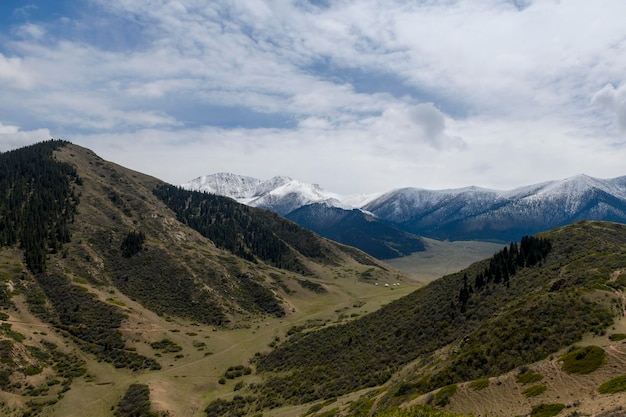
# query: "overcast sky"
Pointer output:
{"type": "Point", "coordinates": [357, 96]}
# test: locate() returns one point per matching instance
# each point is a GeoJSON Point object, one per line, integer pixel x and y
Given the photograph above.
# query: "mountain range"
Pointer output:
{"type": "Point", "coordinates": [470, 213]}
{"type": "Point", "coordinates": [123, 295]}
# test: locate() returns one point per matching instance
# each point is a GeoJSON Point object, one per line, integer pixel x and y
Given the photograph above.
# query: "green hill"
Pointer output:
{"type": "Point", "coordinates": [91, 249]}
{"type": "Point", "coordinates": [123, 295]}
{"type": "Point", "coordinates": [518, 307]}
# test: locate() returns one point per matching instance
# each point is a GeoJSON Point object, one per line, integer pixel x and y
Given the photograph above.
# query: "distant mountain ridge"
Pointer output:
{"type": "Point", "coordinates": [469, 213]}
{"type": "Point", "coordinates": [327, 214]}
{"type": "Point", "coordinates": [279, 194]}
{"type": "Point", "coordinates": [474, 213]}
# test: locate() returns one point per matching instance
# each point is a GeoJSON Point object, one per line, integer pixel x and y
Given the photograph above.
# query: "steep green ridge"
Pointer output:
{"type": "Point", "coordinates": [128, 238]}
{"type": "Point", "coordinates": [245, 231]}
{"type": "Point", "coordinates": [540, 309]}
{"type": "Point", "coordinates": [37, 201]}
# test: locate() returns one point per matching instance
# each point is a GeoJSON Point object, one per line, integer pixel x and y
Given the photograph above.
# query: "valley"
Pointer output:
{"type": "Point", "coordinates": [126, 296]}
{"type": "Point", "coordinates": [443, 257]}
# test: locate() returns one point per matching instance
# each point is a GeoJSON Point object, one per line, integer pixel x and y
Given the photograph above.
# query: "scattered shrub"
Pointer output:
{"type": "Point", "coordinates": [479, 384]}
{"type": "Point", "coordinates": [416, 411]}
{"type": "Point", "coordinates": [534, 390]}
{"type": "Point", "coordinates": [135, 402]}
{"type": "Point", "coordinates": [546, 410]}
{"type": "Point", "coordinates": [583, 360]}
{"type": "Point", "coordinates": [442, 397]}
{"type": "Point", "coordinates": [528, 377]}
{"type": "Point", "coordinates": [617, 384]}
{"type": "Point", "coordinates": [166, 346]}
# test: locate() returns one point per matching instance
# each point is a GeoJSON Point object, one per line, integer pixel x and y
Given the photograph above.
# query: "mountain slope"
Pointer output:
{"type": "Point", "coordinates": [518, 307]}
{"type": "Point", "coordinates": [358, 229]}
{"type": "Point", "coordinates": [98, 273]}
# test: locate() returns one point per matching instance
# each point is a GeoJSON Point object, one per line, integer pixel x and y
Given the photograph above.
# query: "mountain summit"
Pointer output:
{"type": "Point", "coordinates": [278, 194]}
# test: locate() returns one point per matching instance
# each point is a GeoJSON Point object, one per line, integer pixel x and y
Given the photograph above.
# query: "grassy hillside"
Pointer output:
{"type": "Point", "coordinates": [511, 319]}
{"type": "Point", "coordinates": [124, 308]}
{"type": "Point", "coordinates": [114, 287]}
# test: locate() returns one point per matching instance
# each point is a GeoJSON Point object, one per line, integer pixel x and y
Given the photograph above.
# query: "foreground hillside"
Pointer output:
{"type": "Point", "coordinates": [524, 304]}
{"type": "Point", "coordinates": [114, 282]}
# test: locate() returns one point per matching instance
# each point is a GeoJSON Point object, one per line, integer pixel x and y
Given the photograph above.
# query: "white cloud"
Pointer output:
{"type": "Point", "coordinates": [13, 73]}
{"type": "Point", "coordinates": [486, 92]}
{"type": "Point", "coordinates": [614, 100]}
{"type": "Point", "coordinates": [30, 30]}
{"type": "Point", "coordinates": [12, 137]}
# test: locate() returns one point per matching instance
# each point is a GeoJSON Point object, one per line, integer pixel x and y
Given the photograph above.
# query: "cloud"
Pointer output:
{"type": "Point", "coordinates": [25, 11]}
{"type": "Point", "coordinates": [364, 93]}
{"type": "Point", "coordinates": [421, 124]}
{"type": "Point", "coordinates": [12, 137]}
{"type": "Point", "coordinates": [13, 73]}
{"type": "Point", "coordinates": [30, 30]}
{"type": "Point", "coordinates": [613, 100]}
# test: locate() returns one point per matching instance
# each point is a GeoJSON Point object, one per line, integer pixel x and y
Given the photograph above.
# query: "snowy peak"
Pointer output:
{"type": "Point", "coordinates": [478, 213]}
{"type": "Point", "coordinates": [279, 194]}
{"type": "Point", "coordinates": [461, 213]}
{"type": "Point", "coordinates": [235, 186]}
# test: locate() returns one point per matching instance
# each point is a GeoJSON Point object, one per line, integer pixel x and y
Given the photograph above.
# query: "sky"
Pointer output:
{"type": "Point", "coordinates": [357, 96]}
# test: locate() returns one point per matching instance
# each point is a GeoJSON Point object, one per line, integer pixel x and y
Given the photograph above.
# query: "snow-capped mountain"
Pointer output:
{"type": "Point", "coordinates": [455, 214]}
{"type": "Point", "coordinates": [477, 213]}
{"type": "Point", "coordinates": [279, 194]}
{"type": "Point", "coordinates": [328, 214]}
{"type": "Point", "coordinates": [238, 187]}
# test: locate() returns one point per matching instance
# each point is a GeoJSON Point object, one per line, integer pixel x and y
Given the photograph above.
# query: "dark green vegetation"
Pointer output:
{"type": "Point", "coordinates": [237, 371]}
{"type": "Point", "coordinates": [312, 286]}
{"type": "Point", "coordinates": [133, 243]}
{"type": "Point", "coordinates": [504, 264]}
{"type": "Point", "coordinates": [583, 360]}
{"type": "Point", "coordinates": [528, 377]}
{"type": "Point", "coordinates": [616, 337]}
{"type": "Point", "coordinates": [550, 301]}
{"type": "Point", "coordinates": [135, 402]}
{"type": "Point", "coordinates": [92, 323]}
{"type": "Point", "coordinates": [166, 346]}
{"type": "Point", "coordinates": [442, 397]}
{"type": "Point", "coordinates": [617, 384]}
{"type": "Point", "coordinates": [37, 201]}
{"type": "Point", "coordinates": [534, 390]}
{"type": "Point", "coordinates": [479, 384]}
{"type": "Point", "coordinates": [546, 410]}
{"type": "Point", "coordinates": [417, 411]}
{"type": "Point", "coordinates": [245, 231]}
